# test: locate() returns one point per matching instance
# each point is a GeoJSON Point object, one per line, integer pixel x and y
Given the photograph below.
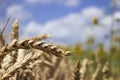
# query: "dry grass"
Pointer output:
{"type": "Point", "coordinates": [32, 59]}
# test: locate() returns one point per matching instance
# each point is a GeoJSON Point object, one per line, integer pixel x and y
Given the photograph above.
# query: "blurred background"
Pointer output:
{"type": "Point", "coordinates": [85, 27]}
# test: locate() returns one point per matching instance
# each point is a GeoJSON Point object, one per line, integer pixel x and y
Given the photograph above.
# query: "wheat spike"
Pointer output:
{"type": "Point", "coordinates": [106, 71]}
{"type": "Point", "coordinates": [15, 32]}
{"type": "Point", "coordinates": [96, 73]}
{"type": "Point", "coordinates": [83, 70]}
{"type": "Point", "coordinates": [76, 75]}
{"type": "Point", "coordinates": [27, 44]}
{"type": "Point", "coordinates": [10, 71]}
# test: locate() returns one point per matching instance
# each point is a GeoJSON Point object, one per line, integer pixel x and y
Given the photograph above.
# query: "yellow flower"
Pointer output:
{"type": "Point", "coordinates": [78, 49]}
{"type": "Point", "coordinates": [95, 21]}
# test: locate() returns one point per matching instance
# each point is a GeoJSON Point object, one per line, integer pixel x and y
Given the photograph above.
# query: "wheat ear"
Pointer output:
{"type": "Point", "coordinates": [76, 75]}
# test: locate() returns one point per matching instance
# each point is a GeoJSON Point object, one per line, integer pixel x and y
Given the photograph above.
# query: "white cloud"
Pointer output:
{"type": "Point", "coordinates": [107, 20]}
{"type": "Point", "coordinates": [117, 15]}
{"type": "Point", "coordinates": [68, 3]}
{"type": "Point", "coordinates": [116, 3]}
{"type": "Point", "coordinates": [72, 3]}
{"type": "Point", "coordinates": [75, 27]}
{"type": "Point", "coordinates": [33, 28]}
{"type": "Point", "coordinates": [18, 11]}
{"type": "Point", "coordinates": [92, 12]}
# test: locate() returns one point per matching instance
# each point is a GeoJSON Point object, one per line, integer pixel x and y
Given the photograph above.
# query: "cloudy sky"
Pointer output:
{"type": "Point", "coordinates": [68, 21]}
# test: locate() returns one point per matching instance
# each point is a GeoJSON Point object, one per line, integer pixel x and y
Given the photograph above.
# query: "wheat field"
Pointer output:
{"type": "Point", "coordinates": [34, 59]}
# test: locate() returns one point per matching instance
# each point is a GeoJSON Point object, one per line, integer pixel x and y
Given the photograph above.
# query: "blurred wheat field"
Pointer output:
{"type": "Point", "coordinates": [33, 59]}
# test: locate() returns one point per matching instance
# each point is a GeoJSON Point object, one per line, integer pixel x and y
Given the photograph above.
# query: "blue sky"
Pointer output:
{"type": "Point", "coordinates": [68, 21]}
{"type": "Point", "coordinates": [50, 11]}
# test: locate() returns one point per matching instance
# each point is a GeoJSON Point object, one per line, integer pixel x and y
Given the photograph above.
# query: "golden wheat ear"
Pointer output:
{"type": "Point", "coordinates": [96, 73]}
{"type": "Point", "coordinates": [106, 71]}
{"type": "Point", "coordinates": [84, 68]}
{"type": "Point", "coordinates": [76, 75]}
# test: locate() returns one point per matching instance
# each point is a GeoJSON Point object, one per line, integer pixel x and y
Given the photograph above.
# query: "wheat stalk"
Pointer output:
{"type": "Point", "coordinates": [2, 40]}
